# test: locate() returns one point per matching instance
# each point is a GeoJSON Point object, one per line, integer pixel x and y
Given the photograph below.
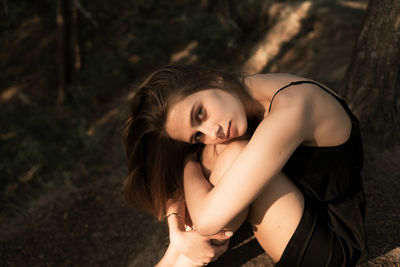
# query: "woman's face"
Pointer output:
{"type": "Point", "coordinates": [210, 116]}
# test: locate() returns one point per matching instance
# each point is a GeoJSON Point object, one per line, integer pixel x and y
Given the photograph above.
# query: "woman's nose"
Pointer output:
{"type": "Point", "coordinates": [213, 131]}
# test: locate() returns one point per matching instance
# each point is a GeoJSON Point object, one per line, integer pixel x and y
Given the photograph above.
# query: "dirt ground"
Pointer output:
{"type": "Point", "coordinates": [89, 224]}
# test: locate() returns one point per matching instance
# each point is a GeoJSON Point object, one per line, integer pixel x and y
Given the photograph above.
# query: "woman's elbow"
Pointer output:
{"type": "Point", "coordinates": [207, 227]}
{"type": "Point", "coordinates": [211, 227]}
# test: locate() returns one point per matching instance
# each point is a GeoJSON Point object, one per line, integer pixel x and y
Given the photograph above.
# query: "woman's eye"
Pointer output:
{"type": "Point", "coordinates": [197, 137]}
{"type": "Point", "coordinates": [200, 114]}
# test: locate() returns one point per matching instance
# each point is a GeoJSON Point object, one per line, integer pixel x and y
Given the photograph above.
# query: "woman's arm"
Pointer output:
{"type": "Point", "coordinates": [275, 139]}
{"type": "Point", "coordinates": [189, 243]}
{"type": "Point", "coordinates": [226, 155]}
{"type": "Point", "coordinates": [177, 210]}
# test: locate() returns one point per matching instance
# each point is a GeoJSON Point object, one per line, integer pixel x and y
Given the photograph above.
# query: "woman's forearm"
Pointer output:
{"type": "Point", "coordinates": [197, 194]}
{"type": "Point", "coordinates": [175, 213]}
{"type": "Point", "coordinates": [175, 219]}
{"type": "Point", "coordinates": [197, 187]}
{"type": "Point", "coordinates": [196, 190]}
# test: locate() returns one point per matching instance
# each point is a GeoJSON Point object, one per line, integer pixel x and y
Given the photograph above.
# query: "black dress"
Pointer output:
{"type": "Point", "coordinates": [331, 230]}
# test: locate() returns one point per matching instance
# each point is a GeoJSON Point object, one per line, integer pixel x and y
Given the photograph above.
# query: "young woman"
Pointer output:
{"type": "Point", "coordinates": [297, 179]}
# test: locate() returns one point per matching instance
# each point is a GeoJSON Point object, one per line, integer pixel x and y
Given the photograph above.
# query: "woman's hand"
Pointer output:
{"type": "Point", "coordinates": [200, 249]}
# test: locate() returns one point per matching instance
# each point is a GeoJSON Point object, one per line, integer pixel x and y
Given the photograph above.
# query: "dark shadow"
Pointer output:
{"type": "Point", "coordinates": [382, 186]}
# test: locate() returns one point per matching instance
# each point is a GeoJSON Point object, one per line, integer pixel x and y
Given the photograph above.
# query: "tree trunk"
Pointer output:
{"type": "Point", "coordinates": [69, 47]}
{"type": "Point", "coordinates": [373, 78]}
{"type": "Point", "coordinates": [61, 52]}
{"type": "Point", "coordinates": [76, 44]}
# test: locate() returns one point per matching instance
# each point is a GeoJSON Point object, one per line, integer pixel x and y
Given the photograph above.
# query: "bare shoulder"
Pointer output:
{"type": "Point", "coordinates": [297, 100]}
{"type": "Point", "coordinates": [264, 88]}
{"type": "Point", "coordinates": [324, 121]}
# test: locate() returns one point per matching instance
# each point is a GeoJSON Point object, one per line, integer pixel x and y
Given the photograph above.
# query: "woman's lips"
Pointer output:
{"type": "Point", "coordinates": [231, 131]}
{"type": "Point", "coordinates": [228, 131]}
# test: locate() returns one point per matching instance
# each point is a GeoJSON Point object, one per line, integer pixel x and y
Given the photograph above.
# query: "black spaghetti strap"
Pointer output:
{"type": "Point", "coordinates": [312, 82]}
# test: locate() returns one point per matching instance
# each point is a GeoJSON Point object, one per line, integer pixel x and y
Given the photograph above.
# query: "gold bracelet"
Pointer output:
{"type": "Point", "coordinates": [172, 213]}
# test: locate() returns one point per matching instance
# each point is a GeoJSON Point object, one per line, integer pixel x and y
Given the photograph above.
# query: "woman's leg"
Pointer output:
{"type": "Point", "coordinates": [276, 212]}
{"type": "Point", "coordinates": [275, 215]}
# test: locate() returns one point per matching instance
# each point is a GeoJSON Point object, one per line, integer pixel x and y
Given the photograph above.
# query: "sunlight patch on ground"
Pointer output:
{"type": "Point", "coordinates": [393, 256]}
{"type": "Point", "coordinates": [134, 59]}
{"type": "Point", "coordinates": [131, 95]}
{"type": "Point", "coordinates": [354, 4]}
{"type": "Point", "coordinates": [185, 53]}
{"type": "Point", "coordinates": [29, 175]}
{"type": "Point", "coordinates": [27, 29]}
{"type": "Point", "coordinates": [9, 93]}
{"type": "Point", "coordinates": [103, 120]}
{"type": "Point", "coordinates": [7, 136]}
{"type": "Point", "coordinates": [287, 26]}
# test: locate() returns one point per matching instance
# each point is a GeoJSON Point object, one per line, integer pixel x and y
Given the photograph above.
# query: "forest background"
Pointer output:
{"type": "Point", "coordinates": [68, 69]}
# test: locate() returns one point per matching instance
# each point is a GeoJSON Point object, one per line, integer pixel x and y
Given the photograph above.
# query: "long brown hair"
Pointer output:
{"type": "Point", "coordinates": [155, 161]}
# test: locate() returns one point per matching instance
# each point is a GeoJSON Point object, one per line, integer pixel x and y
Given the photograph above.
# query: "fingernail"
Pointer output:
{"type": "Point", "coordinates": [228, 233]}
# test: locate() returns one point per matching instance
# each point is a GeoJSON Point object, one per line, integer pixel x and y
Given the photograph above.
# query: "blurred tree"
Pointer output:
{"type": "Point", "coordinates": [224, 8]}
{"type": "Point", "coordinates": [76, 42]}
{"type": "Point", "coordinates": [373, 78]}
{"type": "Point", "coordinates": [246, 15]}
{"type": "Point", "coordinates": [5, 7]}
{"type": "Point", "coordinates": [62, 68]}
{"type": "Point", "coordinates": [69, 48]}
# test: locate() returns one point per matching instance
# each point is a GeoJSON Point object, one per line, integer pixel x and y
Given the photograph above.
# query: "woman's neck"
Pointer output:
{"type": "Point", "coordinates": [256, 106]}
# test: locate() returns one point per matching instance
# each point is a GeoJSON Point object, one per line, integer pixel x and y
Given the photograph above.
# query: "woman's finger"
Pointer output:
{"type": "Point", "coordinates": [222, 235]}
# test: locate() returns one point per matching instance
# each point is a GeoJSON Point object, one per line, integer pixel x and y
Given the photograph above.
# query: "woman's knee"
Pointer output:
{"type": "Point", "coordinates": [226, 156]}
